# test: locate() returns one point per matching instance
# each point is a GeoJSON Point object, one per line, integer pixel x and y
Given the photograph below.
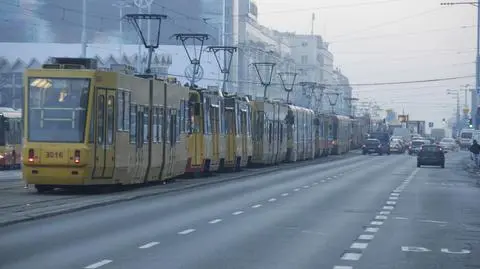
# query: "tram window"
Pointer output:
{"type": "Point", "coordinates": [167, 125]}
{"type": "Point", "coordinates": [270, 132]}
{"type": "Point", "coordinates": [146, 114]}
{"type": "Point", "coordinates": [120, 110]}
{"type": "Point", "coordinates": [101, 119]}
{"type": "Point", "coordinates": [160, 124]}
{"type": "Point", "coordinates": [155, 124]}
{"type": "Point", "coordinates": [181, 119]}
{"type": "Point", "coordinates": [187, 119]}
{"type": "Point", "coordinates": [126, 113]}
{"type": "Point", "coordinates": [178, 125]}
{"type": "Point", "coordinates": [110, 120]}
{"type": "Point", "coordinates": [133, 124]}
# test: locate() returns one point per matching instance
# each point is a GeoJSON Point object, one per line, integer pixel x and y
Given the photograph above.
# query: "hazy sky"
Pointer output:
{"type": "Point", "coordinates": [388, 41]}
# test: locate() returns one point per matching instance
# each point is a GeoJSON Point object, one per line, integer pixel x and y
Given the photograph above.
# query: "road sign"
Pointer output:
{"type": "Point", "coordinates": [430, 124]}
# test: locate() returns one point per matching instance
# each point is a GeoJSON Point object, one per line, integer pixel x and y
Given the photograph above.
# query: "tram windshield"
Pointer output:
{"type": "Point", "coordinates": [57, 109]}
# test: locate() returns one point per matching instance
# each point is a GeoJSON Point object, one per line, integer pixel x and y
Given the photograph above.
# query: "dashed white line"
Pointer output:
{"type": "Point", "coordinates": [397, 190]}
{"type": "Point", "coordinates": [98, 264]}
{"type": "Point", "coordinates": [315, 183]}
{"type": "Point", "coordinates": [306, 187]}
{"type": "Point", "coordinates": [371, 230]}
{"type": "Point", "coordinates": [342, 267]}
{"type": "Point", "coordinates": [381, 217]}
{"type": "Point", "coordinates": [149, 245]}
{"type": "Point", "coordinates": [351, 256]}
{"type": "Point", "coordinates": [366, 237]}
{"type": "Point", "coordinates": [395, 194]}
{"type": "Point", "coordinates": [237, 213]}
{"type": "Point", "coordinates": [297, 189]}
{"type": "Point", "coordinates": [215, 221]}
{"type": "Point", "coordinates": [391, 203]}
{"type": "Point", "coordinates": [256, 206]}
{"type": "Point", "coordinates": [187, 231]}
{"type": "Point", "coordinates": [434, 221]}
{"type": "Point", "coordinates": [323, 181]}
{"type": "Point", "coordinates": [388, 207]}
{"type": "Point", "coordinates": [402, 218]}
{"type": "Point", "coordinates": [378, 223]}
{"type": "Point", "coordinates": [359, 245]}
{"type": "Point", "coordinates": [393, 198]}
{"type": "Point", "coordinates": [272, 199]}
{"type": "Point", "coordinates": [385, 212]}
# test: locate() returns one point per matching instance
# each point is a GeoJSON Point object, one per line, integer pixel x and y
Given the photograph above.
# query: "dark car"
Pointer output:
{"type": "Point", "coordinates": [384, 139]}
{"type": "Point", "coordinates": [431, 155]}
{"type": "Point", "coordinates": [416, 145]}
{"type": "Point", "coordinates": [373, 146]}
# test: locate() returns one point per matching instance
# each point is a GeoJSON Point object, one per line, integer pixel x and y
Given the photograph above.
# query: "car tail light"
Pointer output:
{"type": "Point", "coordinates": [364, 146]}
{"type": "Point", "coordinates": [31, 155]}
{"type": "Point", "coordinates": [76, 157]}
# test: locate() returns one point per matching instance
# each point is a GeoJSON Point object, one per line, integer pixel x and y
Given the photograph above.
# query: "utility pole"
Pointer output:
{"type": "Point", "coordinates": [121, 5]}
{"type": "Point", "coordinates": [476, 92]}
{"type": "Point", "coordinates": [457, 116]}
{"type": "Point", "coordinates": [84, 29]}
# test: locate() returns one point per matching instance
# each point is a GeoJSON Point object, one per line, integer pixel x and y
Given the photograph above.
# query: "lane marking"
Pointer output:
{"type": "Point", "coordinates": [334, 176]}
{"type": "Point", "coordinates": [366, 237]}
{"type": "Point", "coordinates": [388, 207]}
{"type": "Point", "coordinates": [215, 221]}
{"type": "Point", "coordinates": [397, 190]}
{"type": "Point", "coordinates": [237, 213]}
{"type": "Point", "coordinates": [272, 200]}
{"type": "Point", "coordinates": [296, 189]}
{"type": "Point", "coordinates": [378, 223]}
{"type": "Point", "coordinates": [351, 256]}
{"type": "Point", "coordinates": [371, 230]}
{"type": "Point", "coordinates": [256, 206]}
{"type": "Point", "coordinates": [395, 194]}
{"type": "Point", "coordinates": [434, 221]}
{"type": "Point", "coordinates": [328, 178]}
{"type": "Point", "coordinates": [315, 183]}
{"type": "Point", "coordinates": [306, 187]}
{"type": "Point", "coordinates": [359, 245]}
{"type": "Point", "coordinates": [187, 231]}
{"type": "Point", "coordinates": [393, 198]}
{"type": "Point", "coordinates": [323, 181]}
{"type": "Point", "coordinates": [149, 245]}
{"type": "Point", "coordinates": [285, 194]}
{"type": "Point", "coordinates": [98, 264]}
{"type": "Point", "coordinates": [342, 267]}
{"type": "Point", "coordinates": [385, 212]}
{"type": "Point", "coordinates": [391, 203]}
{"type": "Point", "coordinates": [381, 217]}
{"type": "Point", "coordinates": [463, 251]}
{"type": "Point", "coordinates": [415, 249]}
{"type": "Point", "coordinates": [402, 218]}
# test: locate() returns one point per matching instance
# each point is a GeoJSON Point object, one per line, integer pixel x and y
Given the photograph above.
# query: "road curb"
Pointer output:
{"type": "Point", "coordinates": [180, 188]}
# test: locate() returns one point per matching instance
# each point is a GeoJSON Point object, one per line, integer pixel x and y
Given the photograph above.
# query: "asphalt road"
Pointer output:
{"type": "Point", "coordinates": [362, 212]}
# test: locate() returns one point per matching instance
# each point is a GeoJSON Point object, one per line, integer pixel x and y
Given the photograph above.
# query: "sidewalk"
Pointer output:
{"type": "Point", "coordinates": [19, 204]}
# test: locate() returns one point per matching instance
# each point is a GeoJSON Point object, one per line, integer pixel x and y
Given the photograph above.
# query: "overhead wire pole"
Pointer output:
{"type": "Point", "coordinates": [84, 28]}
{"type": "Point", "coordinates": [121, 5]}
{"type": "Point", "coordinates": [476, 92]}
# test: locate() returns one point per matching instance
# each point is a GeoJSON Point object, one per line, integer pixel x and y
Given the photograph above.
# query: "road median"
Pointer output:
{"type": "Point", "coordinates": [19, 205]}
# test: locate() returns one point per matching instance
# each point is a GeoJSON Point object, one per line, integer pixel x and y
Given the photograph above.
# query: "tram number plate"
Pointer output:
{"type": "Point", "coordinates": [54, 155]}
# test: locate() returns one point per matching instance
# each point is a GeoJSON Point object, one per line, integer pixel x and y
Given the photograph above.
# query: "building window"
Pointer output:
{"type": "Point", "coordinates": [304, 59]}
{"type": "Point", "coordinates": [304, 44]}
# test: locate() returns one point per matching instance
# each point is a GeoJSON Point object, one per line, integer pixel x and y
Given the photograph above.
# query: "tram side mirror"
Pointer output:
{"type": "Point", "coordinates": [197, 109]}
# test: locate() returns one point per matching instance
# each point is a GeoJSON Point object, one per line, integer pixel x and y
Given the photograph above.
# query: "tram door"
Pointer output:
{"type": "Point", "coordinates": [104, 133]}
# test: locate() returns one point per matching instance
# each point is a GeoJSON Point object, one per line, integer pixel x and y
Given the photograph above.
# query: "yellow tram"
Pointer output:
{"type": "Point", "coordinates": [10, 138]}
{"type": "Point", "coordinates": [84, 126]}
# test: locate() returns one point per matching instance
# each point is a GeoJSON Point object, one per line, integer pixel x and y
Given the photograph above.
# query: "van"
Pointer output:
{"type": "Point", "coordinates": [466, 138]}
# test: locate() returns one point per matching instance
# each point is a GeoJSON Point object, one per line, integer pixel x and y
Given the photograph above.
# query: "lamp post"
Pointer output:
{"type": "Point", "coordinates": [288, 82]}
{"type": "Point", "coordinates": [149, 44]}
{"type": "Point", "coordinates": [265, 74]}
{"type": "Point", "coordinates": [84, 28]}
{"type": "Point", "coordinates": [350, 101]}
{"type": "Point", "coordinates": [332, 99]}
{"type": "Point", "coordinates": [476, 92]}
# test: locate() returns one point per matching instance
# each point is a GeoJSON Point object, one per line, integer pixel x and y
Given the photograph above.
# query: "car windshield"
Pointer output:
{"type": "Point", "coordinates": [372, 141]}
{"type": "Point", "coordinates": [418, 142]}
{"type": "Point", "coordinates": [466, 135]}
{"type": "Point", "coordinates": [447, 140]}
{"type": "Point", "coordinates": [431, 148]}
{"type": "Point", "coordinates": [57, 109]}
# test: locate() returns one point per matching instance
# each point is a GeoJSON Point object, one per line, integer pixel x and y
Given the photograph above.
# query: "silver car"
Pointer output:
{"type": "Point", "coordinates": [448, 144]}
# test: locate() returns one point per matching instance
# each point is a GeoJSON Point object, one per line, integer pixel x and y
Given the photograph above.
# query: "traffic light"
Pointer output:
{"type": "Point", "coordinates": [470, 124]}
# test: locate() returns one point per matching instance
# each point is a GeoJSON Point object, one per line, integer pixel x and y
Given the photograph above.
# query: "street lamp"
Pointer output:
{"type": "Point", "coordinates": [135, 19]}
{"type": "Point", "coordinates": [332, 99]}
{"type": "Point", "coordinates": [475, 93]}
{"type": "Point", "coordinates": [309, 91]}
{"type": "Point", "coordinates": [227, 52]}
{"type": "Point", "coordinates": [288, 82]}
{"type": "Point", "coordinates": [121, 5]}
{"type": "Point", "coordinates": [265, 74]}
{"type": "Point", "coordinates": [350, 101]}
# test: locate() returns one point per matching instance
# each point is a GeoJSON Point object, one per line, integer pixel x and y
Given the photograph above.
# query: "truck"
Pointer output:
{"type": "Point", "coordinates": [416, 127]}
{"type": "Point", "coordinates": [437, 134]}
